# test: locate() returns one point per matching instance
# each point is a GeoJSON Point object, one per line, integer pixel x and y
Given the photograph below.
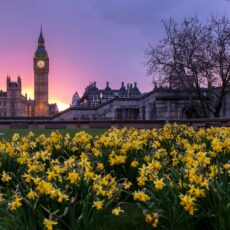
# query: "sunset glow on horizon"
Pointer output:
{"type": "Point", "coordinates": [61, 104]}
{"type": "Point", "coordinates": [87, 40]}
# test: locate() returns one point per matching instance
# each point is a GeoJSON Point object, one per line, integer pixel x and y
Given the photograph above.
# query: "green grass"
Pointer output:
{"type": "Point", "coordinates": [8, 133]}
{"type": "Point", "coordinates": [131, 219]}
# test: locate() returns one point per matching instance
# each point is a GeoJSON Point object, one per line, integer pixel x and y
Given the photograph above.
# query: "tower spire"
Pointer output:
{"type": "Point", "coordinates": [41, 41]}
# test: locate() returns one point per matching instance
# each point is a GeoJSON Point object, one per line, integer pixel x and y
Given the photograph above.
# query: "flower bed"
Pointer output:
{"type": "Point", "coordinates": [172, 178]}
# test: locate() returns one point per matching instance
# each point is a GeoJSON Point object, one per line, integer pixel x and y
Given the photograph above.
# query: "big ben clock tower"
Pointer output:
{"type": "Point", "coordinates": [41, 71]}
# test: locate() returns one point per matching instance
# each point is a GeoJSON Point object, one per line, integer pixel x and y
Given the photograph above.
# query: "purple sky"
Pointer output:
{"type": "Point", "coordinates": [88, 40]}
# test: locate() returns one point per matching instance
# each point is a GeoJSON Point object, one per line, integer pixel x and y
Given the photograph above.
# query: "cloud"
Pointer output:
{"type": "Point", "coordinates": [129, 12]}
{"type": "Point", "coordinates": [148, 12]}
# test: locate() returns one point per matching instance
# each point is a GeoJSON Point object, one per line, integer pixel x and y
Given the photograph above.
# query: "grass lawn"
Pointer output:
{"type": "Point", "coordinates": [8, 133]}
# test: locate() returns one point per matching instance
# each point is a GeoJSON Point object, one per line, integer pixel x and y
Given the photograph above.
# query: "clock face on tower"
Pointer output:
{"type": "Point", "coordinates": [40, 64]}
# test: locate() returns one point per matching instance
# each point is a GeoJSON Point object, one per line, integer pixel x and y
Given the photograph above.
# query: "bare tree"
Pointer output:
{"type": "Point", "coordinates": [199, 55]}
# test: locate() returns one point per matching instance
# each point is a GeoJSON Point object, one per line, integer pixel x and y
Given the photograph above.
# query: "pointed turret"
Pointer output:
{"type": "Point", "coordinates": [41, 50]}
{"type": "Point", "coordinates": [41, 41]}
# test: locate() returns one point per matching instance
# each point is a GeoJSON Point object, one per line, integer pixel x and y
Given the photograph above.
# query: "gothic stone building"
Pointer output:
{"type": "Point", "coordinates": [172, 103]}
{"type": "Point", "coordinates": [14, 104]}
{"type": "Point", "coordinates": [93, 97]}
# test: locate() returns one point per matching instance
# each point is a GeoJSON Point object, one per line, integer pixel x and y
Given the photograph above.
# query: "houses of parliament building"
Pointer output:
{"type": "Point", "coordinates": [14, 104]}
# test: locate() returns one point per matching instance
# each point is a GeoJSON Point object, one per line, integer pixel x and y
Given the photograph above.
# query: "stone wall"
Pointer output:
{"type": "Point", "coordinates": [140, 124]}
{"type": "Point", "coordinates": [225, 112]}
{"type": "Point", "coordinates": [75, 114]}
